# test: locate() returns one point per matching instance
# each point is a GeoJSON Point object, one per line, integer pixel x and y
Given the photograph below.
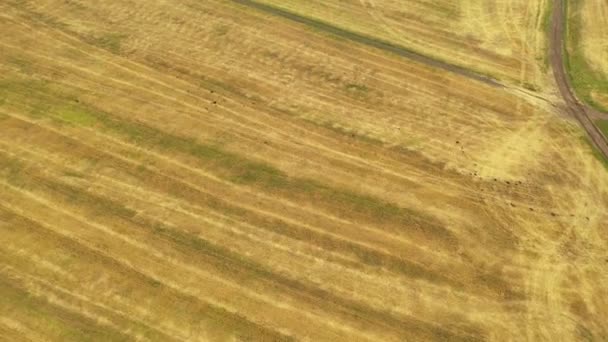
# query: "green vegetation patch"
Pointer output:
{"type": "Point", "coordinates": [111, 42]}
{"type": "Point", "coordinates": [530, 86]}
{"type": "Point", "coordinates": [342, 131]}
{"type": "Point", "coordinates": [59, 106]}
{"type": "Point", "coordinates": [596, 153]}
{"type": "Point", "coordinates": [584, 79]}
{"type": "Point", "coordinates": [358, 91]}
{"type": "Point", "coordinates": [76, 116]}
{"type": "Point", "coordinates": [603, 126]}
{"type": "Point", "coordinates": [242, 170]}
{"type": "Point", "coordinates": [357, 87]}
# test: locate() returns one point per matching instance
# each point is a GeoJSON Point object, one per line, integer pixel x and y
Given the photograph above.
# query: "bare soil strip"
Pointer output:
{"type": "Point", "coordinates": [576, 108]}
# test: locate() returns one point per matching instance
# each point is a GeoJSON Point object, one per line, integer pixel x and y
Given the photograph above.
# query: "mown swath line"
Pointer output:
{"type": "Point", "coordinates": [369, 41]}
{"type": "Point", "coordinates": [216, 313]}
{"type": "Point", "coordinates": [15, 295]}
{"type": "Point", "coordinates": [242, 268]}
{"type": "Point", "coordinates": [366, 256]}
{"type": "Point", "coordinates": [241, 170]}
{"type": "Point", "coordinates": [31, 231]}
{"type": "Point", "coordinates": [370, 257]}
{"type": "Point", "coordinates": [396, 264]}
{"type": "Point", "coordinates": [144, 134]}
{"type": "Point", "coordinates": [46, 289]}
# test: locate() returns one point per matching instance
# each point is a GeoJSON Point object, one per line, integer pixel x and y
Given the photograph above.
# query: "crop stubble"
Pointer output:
{"type": "Point", "coordinates": [197, 173]}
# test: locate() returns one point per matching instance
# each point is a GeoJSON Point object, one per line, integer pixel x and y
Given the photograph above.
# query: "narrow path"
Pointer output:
{"type": "Point", "coordinates": [574, 107]}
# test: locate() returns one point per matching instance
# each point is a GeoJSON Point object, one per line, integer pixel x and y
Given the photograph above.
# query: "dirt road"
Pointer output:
{"type": "Point", "coordinates": [574, 107]}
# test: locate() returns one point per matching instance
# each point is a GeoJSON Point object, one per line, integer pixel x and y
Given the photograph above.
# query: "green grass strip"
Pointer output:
{"type": "Point", "coordinates": [584, 79]}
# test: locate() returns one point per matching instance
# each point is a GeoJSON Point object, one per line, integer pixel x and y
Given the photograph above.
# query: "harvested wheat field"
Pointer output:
{"type": "Point", "coordinates": [266, 170]}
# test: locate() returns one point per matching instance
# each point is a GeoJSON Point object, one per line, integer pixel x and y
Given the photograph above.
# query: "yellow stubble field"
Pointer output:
{"type": "Point", "coordinates": [505, 39]}
{"type": "Point", "coordinates": [208, 170]}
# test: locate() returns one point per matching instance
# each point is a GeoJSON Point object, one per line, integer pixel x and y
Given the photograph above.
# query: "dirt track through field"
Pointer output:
{"type": "Point", "coordinates": [369, 41]}
{"type": "Point", "coordinates": [574, 107]}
